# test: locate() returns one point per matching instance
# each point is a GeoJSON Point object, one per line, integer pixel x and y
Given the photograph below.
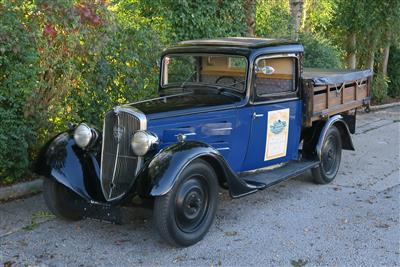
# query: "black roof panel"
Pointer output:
{"type": "Point", "coordinates": [246, 42]}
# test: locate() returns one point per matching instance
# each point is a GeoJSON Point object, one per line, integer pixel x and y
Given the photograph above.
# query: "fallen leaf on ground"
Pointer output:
{"type": "Point", "coordinates": [231, 233]}
{"type": "Point", "coordinates": [382, 225]}
{"type": "Point", "coordinates": [179, 258]}
{"type": "Point", "coordinates": [8, 263]}
{"type": "Point", "coordinates": [298, 263]}
{"type": "Point", "coordinates": [120, 242]}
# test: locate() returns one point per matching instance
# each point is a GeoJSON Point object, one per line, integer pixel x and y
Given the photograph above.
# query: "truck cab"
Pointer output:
{"type": "Point", "coordinates": [235, 113]}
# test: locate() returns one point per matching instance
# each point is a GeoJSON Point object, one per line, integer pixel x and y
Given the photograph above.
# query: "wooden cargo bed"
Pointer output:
{"type": "Point", "coordinates": [330, 92]}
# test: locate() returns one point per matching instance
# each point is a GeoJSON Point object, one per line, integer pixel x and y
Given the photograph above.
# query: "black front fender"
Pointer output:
{"type": "Point", "coordinates": [63, 161]}
{"type": "Point", "coordinates": [161, 172]}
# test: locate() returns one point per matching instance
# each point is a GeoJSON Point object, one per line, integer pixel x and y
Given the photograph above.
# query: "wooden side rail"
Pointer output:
{"type": "Point", "coordinates": [323, 101]}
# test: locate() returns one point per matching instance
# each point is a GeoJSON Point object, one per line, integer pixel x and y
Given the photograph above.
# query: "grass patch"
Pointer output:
{"type": "Point", "coordinates": [31, 226]}
{"type": "Point", "coordinates": [38, 216]}
{"type": "Point", "coordinates": [42, 215]}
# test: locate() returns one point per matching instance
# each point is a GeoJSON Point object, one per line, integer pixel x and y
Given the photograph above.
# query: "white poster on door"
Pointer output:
{"type": "Point", "coordinates": [277, 134]}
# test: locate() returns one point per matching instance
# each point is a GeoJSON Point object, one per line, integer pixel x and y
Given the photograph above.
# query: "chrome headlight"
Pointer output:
{"type": "Point", "coordinates": [142, 141]}
{"type": "Point", "coordinates": [83, 135]}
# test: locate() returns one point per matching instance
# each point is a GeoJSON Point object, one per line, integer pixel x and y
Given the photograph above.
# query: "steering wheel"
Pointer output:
{"type": "Point", "coordinates": [225, 77]}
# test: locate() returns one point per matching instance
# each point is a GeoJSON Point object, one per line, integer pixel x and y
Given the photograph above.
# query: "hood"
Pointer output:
{"type": "Point", "coordinates": [185, 103]}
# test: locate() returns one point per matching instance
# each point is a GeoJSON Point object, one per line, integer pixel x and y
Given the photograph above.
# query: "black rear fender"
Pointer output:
{"type": "Point", "coordinates": [313, 137]}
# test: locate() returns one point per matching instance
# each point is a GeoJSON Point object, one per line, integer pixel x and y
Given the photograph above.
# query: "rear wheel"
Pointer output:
{"type": "Point", "coordinates": [331, 154]}
{"type": "Point", "coordinates": [184, 215]}
{"type": "Point", "coordinates": [61, 201]}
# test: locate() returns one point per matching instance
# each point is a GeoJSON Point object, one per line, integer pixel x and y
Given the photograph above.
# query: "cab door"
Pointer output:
{"type": "Point", "coordinates": [276, 112]}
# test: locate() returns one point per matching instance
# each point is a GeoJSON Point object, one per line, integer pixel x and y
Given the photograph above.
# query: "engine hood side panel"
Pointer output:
{"type": "Point", "coordinates": [218, 129]}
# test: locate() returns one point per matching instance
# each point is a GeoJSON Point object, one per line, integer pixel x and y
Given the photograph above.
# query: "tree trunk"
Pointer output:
{"type": "Point", "coordinates": [351, 51]}
{"type": "Point", "coordinates": [250, 14]}
{"type": "Point", "coordinates": [371, 60]}
{"type": "Point", "coordinates": [385, 59]}
{"type": "Point", "coordinates": [296, 12]}
{"type": "Point", "coordinates": [371, 54]}
{"type": "Point", "coordinates": [308, 6]}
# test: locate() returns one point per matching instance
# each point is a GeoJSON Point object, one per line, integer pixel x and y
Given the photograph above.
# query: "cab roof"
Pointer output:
{"type": "Point", "coordinates": [245, 46]}
{"type": "Point", "coordinates": [245, 42]}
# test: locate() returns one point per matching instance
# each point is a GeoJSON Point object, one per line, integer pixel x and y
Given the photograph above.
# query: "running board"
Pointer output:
{"type": "Point", "coordinates": [268, 178]}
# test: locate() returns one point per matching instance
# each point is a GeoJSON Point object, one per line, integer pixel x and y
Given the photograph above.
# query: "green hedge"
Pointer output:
{"type": "Point", "coordinates": [70, 60]}
{"type": "Point", "coordinates": [319, 52]}
{"type": "Point", "coordinates": [394, 72]}
{"type": "Point", "coordinates": [66, 61]}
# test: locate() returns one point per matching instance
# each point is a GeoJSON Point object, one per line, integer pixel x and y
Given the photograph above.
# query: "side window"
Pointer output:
{"type": "Point", "coordinates": [275, 76]}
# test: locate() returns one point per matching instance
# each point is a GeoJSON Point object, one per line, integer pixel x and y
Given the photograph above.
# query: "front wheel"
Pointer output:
{"type": "Point", "coordinates": [331, 154]}
{"type": "Point", "coordinates": [61, 201]}
{"type": "Point", "coordinates": [184, 215]}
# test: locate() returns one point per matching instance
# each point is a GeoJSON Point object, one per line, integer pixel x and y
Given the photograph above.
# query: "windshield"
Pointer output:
{"type": "Point", "coordinates": [226, 71]}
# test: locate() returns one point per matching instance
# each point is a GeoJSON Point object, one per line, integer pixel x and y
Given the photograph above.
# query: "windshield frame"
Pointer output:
{"type": "Point", "coordinates": [163, 86]}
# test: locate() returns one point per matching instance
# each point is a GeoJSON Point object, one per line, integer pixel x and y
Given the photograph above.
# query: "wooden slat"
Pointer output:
{"type": "Point", "coordinates": [319, 102]}
{"type": "Point", "coordinates": [362, 92]}
{"type": "Point", "coordinates": [308, 97]}
{"type": "Point", "coordinates": [223, 72]}
{"type": "Point", "coordinates": [282, 76]}
{"type": "Point", "coordinates": [341, 95]}
{"type": "Point", "coordinates": [334, 98]}
{"type": "Point", "coordinates": [319, 88]}
{"type": "Point", "coordinates": [337, 109]}
{"type": "Point", "coordinates": [324, 103]}
{"type": "Point", "coordinates": [349, 94]}
{"type": "Point", "coordinates": [355, 92]}
{"type": "Point", "coordinates": [327, 97]}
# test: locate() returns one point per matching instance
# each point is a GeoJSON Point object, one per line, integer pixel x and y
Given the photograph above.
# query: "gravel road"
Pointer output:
{"type": "Point", "coordinates": [353, 221]}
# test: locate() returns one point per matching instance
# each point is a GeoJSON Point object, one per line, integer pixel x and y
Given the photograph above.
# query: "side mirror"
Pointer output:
{"type": "Point", "coordinates": [158, 63]}
{"type": "Point", "coordinates": [267, 70]}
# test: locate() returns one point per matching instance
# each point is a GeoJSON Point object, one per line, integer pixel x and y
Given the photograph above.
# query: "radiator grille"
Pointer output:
{"type": "Point", "coordinates": [119, 165]}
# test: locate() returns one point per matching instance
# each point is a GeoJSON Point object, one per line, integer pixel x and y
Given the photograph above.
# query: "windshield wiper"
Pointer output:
{"type": "Point", "coordinates": [233, 84]}
{"type": "Point", "coordinates": [187, 79]}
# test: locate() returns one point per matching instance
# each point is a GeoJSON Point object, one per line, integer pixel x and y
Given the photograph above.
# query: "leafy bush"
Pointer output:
{"type": "Point", "coordinates": [319, 52]}
{"type": "Point", "coordinates": [16, 137]}
{"type": "Point", "coordinates": [71, 60]}
{"type": "Point", "coordinates": [65, 61]}
{"type": "Point", "coordinates": [379, 90]}
{"type": "Point", "coordinates": [187, 19]}
{"type": "Point", "coordinates": [122, 68]}
{"type": "Point", "coordinates": [394, 72]}
{"type": "Point", "coordinates": [273, 19]}
{"type": "Point", "coordinates": [18, 71]}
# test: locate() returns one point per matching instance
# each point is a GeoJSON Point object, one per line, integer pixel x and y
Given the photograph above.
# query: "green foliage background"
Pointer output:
{"type": "Point", "coordinates": [71, 60]}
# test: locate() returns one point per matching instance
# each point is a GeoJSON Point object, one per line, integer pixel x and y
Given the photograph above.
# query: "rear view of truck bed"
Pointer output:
{"type": "Point", "coordinates": [329, 92]}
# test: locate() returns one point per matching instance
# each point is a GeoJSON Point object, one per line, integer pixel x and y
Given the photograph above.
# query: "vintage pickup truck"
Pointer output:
{"type": "Point", "coordinates": [241, 114]}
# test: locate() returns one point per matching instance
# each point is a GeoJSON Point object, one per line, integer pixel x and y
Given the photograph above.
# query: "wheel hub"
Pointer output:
{"type": "Point", "coordinates": [329, 156]}
{"type": "Point", "coordinates": [191, 204]}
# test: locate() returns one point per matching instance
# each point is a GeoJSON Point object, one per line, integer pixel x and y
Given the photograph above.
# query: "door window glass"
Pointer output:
{"type": "Point", "coordinates": [275, 76]}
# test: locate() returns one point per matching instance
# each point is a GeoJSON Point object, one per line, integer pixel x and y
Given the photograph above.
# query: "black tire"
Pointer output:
{"type": "Point", "coordinates": [61, 201]}
{"type": "Point", "coordinates": [184, 215]}
{"type": "Point", "coordinates": [331, 154]}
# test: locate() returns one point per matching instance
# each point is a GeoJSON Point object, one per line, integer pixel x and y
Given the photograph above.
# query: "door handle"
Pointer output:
{"type": "Point", "coordinates": [255, 115]}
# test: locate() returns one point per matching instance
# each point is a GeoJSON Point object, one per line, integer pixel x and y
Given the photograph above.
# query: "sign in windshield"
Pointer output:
{"type": "Point", "coordinates": [216, 70]}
